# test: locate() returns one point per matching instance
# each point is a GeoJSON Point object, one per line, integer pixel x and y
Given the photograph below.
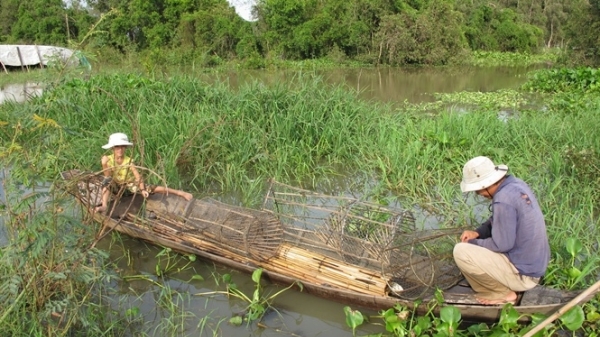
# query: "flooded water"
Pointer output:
{"type": "Point", "coordinates": [397, 85]}
{"type": "Point", "coordinates": [385, 85]}
{"type": "Point", "coordinates": [297, 313]}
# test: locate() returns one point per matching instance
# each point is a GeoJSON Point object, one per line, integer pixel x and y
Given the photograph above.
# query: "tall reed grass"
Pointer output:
{"type": "Point", "coordinates": [212, 138]}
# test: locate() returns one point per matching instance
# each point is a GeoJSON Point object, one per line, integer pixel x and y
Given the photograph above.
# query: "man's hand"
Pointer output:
{"type": "Point", "coordinates": [145, 193]}
{"type": "Point", "coordinates": [468, 235]}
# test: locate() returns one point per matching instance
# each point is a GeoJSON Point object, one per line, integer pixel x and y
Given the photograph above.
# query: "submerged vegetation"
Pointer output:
{"type": "Point", "coordinates": [211, 139]}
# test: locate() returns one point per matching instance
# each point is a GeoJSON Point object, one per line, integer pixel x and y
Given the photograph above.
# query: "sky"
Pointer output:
{"type": "Point", "coordinates": [243, 8]}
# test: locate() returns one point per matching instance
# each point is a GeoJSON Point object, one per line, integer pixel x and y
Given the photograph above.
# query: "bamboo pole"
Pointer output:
{"type": "Point", "coordinates": [322, 278]}
{"type": "Point", "coordinates": [20, 58]}
{"type": "Point", "coordinates": [39, 56]}
{"type": "Point", "coordinates": [4, 67]}
{"type": "Point", "coordinates": [581, 297]}
{"type": "Point", "coordinates": [321, 269]}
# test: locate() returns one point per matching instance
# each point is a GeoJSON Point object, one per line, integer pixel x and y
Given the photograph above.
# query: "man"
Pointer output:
{"type": "Point", "coordinates": [509, 252]}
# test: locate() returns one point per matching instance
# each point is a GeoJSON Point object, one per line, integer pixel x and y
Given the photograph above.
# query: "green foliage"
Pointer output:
{"type": "Point", "coordinates": [432, 36]}
{"type": "Point", "coordinates": [495, 59]}
{"type": "Point", "coordinates": [170, 262]}
{"type": "Point", "coordinates": [276, 119]}
{"type": "Point", "coordinates": [491, 28]}
{"type": "Point", "coordinates": [354, 319]}
{"type": "Point", "coordinates": [573, 319]}
{"type": "Point", "coordinates": [514, 36]}
{"type": "Point", "coordinates": [582, 79]}
{"type": "Point", "coordinates": [583, 163]}
{"type": "Point", "coordinates": [51, 278]}
{"type": "Point", "coordinates": [501, 99]}
{"type": "Point", "coordinates": [40, 22]}
{"type": "Point", "coordinates": [397, 32]}
{"type": "Point", "coordinates": [8, 17]}
{"type": "Point", "coordinates": [401, 322]}
{"type": "Point", "coordinates": [582, 31]}
{"type": "Point", "coordinates": [577, 270]}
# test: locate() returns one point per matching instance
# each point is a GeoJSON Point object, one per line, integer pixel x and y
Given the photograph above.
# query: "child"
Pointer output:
{"type": "Point", "coordinates": [119, 168]}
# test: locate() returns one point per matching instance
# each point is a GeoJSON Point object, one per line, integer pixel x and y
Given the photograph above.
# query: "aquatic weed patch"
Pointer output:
{"type": "Point", "coordinates": [210, 135]}
{"type": "Point", "coordinates": [51, 279]}
{"type": "Point", "coordinates": [486, 100]}
{"type": "Point", "coordinates": [582, 79]}
{"type": "Point", "coordinates": [211, 132]}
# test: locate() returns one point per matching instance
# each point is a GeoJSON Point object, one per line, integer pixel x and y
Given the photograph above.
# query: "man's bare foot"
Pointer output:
{"type": "Point", "coordinates": [99, 209]}
{"type": "Point", "coordinates": [510, 298]}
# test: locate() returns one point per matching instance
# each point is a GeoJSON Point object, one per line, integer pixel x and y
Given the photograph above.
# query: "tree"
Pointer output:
{"type": "Point", "coordinates": [41, 22]}
{"type": "Point", "coordinates": [279, 20]}
{"type": "Point", "coordinates": [8, 17]}
{"type": "Point", "coordinates": [432, 36]}
{"type": "Point", "coordinates": [583, 30]}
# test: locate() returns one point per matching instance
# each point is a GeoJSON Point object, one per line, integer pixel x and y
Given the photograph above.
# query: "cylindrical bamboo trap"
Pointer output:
{"type": "Point", "coordinates": [254, 233]}
{"type": "Point", "coordinates": [367, 235]}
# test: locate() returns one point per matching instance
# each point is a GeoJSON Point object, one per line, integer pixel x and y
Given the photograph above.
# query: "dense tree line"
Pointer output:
{"type": "Point", "coordinates": [394, 32]}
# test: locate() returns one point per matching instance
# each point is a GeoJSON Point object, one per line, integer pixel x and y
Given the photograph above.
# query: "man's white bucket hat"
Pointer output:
{"type": "Point", "coordinates": [117, 139]}
{"type": "Point", "coordinates": [480, 173]}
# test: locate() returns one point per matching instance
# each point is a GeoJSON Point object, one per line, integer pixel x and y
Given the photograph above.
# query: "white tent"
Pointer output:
{"type": "Point", "coordinates": [27, 55]}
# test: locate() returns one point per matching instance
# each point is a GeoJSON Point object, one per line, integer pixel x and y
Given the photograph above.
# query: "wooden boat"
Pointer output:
{"type": "Point", "coordinates": [340, 248]}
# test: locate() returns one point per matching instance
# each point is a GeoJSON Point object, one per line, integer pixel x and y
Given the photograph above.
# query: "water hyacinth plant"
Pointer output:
{"type": "Point", "coordinates": [257, 305]}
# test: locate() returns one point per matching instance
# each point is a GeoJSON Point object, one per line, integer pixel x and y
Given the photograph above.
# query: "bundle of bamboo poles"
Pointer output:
{"type": "Point", "coordinates": [315, 268]}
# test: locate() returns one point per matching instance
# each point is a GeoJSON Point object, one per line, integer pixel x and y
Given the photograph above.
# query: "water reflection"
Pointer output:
{"type": "Point", "coordinates": [19, 92]}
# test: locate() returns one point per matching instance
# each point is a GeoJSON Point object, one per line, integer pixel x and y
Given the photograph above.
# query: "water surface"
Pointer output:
{"type": "Point", "coordinates": [395, 85]}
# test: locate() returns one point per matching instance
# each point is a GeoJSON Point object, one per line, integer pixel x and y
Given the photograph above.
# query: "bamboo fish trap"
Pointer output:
{"type": "Point", "coordinates": [248, 233]}
{"type": "Point", "coordinates": [412, 262]}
